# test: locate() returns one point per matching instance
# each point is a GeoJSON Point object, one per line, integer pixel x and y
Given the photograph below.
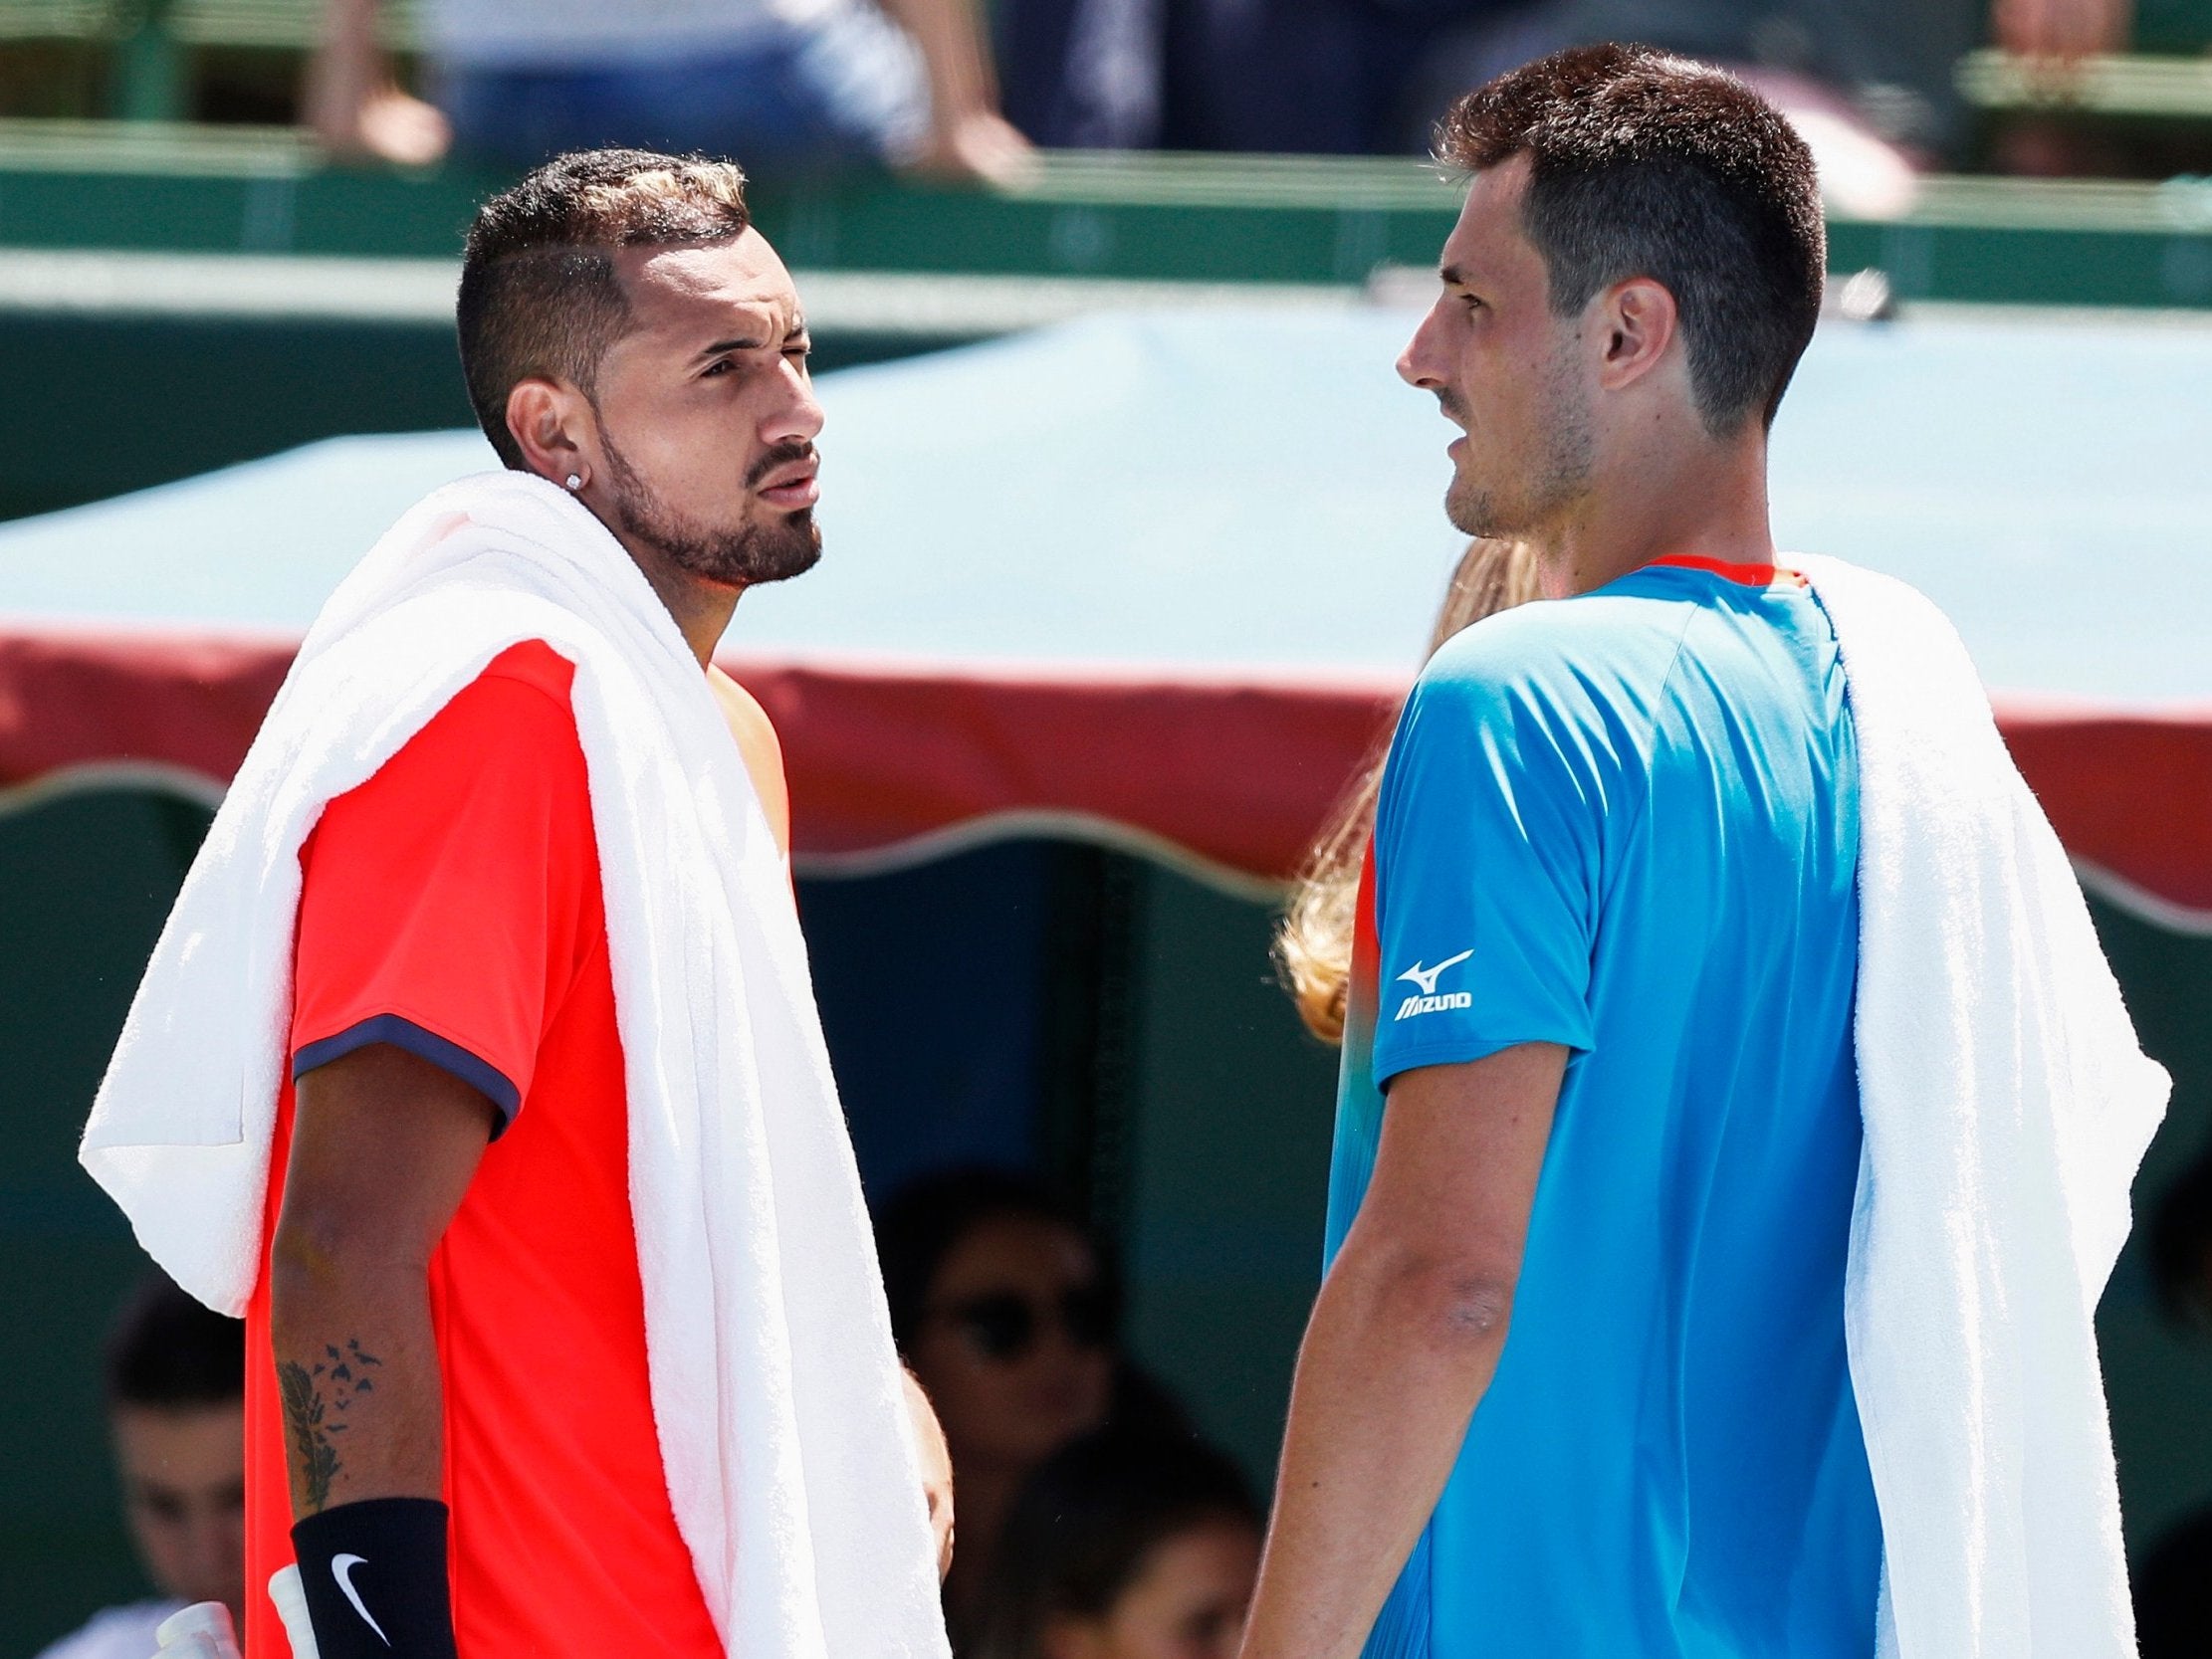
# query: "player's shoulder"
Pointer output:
{"type": "Point", "coordinates": [513, 721]}
{"type": "Point", "coordinates": [530, 663]}
{"type": "Point", "coordinates": [521, 699]}
{"type": "Point", "coordinates": [1595, 650]}
{"type": "Point", "coordinates": [760, 748]}
{"type": "Point", "coordinates": [743, 712]}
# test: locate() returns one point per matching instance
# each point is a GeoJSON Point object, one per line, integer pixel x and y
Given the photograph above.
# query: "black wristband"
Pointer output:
{"type": "Point", "coordinates": [374, 1573]}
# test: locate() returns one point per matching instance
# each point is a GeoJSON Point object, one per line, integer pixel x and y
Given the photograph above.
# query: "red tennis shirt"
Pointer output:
{"type": "Point", "coordinates": [452, 907]}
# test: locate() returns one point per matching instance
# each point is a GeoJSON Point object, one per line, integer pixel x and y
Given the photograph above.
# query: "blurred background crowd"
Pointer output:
{"type": "Point", "coordinates": [967, 88]}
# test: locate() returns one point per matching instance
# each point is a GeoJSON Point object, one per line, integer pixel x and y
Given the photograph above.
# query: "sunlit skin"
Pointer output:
{"type": "Point", "coordinates": [1187, 1601]}
{"type": "Point", "coordinates": [183, 1475]}
{"type": "Point", "coordinates": [1002, 1417]}
{"type": "Point", "coordinates": [936, 1458]}
{"type": "Point", "coordinates": [704, 408]}
{"type": "Point", "coordinates": [1580, 434]}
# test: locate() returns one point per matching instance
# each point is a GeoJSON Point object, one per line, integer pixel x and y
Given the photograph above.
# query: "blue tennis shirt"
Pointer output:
{"type": "Point", "coordinates": [1627, 822]}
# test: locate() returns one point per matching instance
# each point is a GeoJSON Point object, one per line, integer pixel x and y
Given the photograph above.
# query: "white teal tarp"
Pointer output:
{"type": "Point", "coordinates": [1226, 491]}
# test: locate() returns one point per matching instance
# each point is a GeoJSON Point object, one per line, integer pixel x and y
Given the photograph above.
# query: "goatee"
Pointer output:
{"type": "Point", "coordinates": [784, 545]}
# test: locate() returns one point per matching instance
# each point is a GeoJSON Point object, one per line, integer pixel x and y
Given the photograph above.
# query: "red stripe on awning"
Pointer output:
{"type": "Point", "coordinates": [2129, 792]}
{"type": "Point", "coordinates": [1242, 772]}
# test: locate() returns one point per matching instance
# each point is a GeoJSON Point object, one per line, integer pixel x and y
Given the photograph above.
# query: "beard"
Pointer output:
{"type": "Point", "coordinates": [1559, 475]}
{"type": "Point", "coordinates": [785, 544]}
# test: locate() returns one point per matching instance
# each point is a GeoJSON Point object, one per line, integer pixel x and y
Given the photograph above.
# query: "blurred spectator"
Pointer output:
{"type": "Point", "coordinates": [1869, 83]}
{"type": "Point", "coordinates": [2173, 1578]}
{"type": "Point", "coordinates": [780, 85]}
{"type": "Point", "coordinates": [1007, 1313]}
{"type": "Point", "coordinates": [177, 1406]}
{"type": "Point", "coordinates": [2181, 1246]}
{"type": "Point", "coordinates": [2062, 31]}
{"type": "Point", "coordinates": [1309, 76]}
{"type": "Point", "coordinates": [1124, 1548]}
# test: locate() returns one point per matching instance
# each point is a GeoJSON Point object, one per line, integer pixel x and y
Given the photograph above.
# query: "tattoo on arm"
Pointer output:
{"type": "Point", "coordinates": [316, 1402]}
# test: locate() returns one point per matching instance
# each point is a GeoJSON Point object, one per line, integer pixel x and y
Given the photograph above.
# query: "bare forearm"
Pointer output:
{"type": "Point", "coordinates": [1388, 1377]}
{"type": "Point", "coordinates": [356, 1377]}
{"type": "Point", "coordinates": [949, 34]}
{"type": "Point", "coordinates": [348, 63]}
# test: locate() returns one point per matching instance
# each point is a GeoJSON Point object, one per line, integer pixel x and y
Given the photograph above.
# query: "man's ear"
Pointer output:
{"type": "Point", "coordinates": [553, 424]}
{"type": "Point", "coordinates": [1636, 323]}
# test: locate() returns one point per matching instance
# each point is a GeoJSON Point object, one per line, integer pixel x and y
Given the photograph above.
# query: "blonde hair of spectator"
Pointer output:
{"type": "Point", "coordinates": [1313, 945]}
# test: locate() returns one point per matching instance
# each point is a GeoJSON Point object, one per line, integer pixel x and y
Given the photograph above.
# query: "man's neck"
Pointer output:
{"type": "Point", "coordinates": [1710, 504]}
{"type": "Point", "coordinates": [702, 609]}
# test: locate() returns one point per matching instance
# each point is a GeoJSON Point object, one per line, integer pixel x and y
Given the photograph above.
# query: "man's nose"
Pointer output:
{"type": "Point", "coordinates": [1418, 364]}
{"type": "Point", "coordinates": [797, 416]}
{"type": "Point", "coordinates": [214, 1544]}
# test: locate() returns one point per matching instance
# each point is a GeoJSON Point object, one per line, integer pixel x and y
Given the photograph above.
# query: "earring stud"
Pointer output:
{"type": "Point", "coordinates": [575, 480]}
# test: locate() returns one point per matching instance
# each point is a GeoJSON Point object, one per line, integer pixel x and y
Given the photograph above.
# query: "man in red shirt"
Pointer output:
{"type": "Point", "coordinates": [449, 1415]}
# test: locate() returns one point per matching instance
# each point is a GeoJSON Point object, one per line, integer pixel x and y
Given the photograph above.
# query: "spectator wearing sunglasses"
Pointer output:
{"type": "Point", "coordinates": [1124, 1545]}
{"type": "Point", "coordinates": [1006, 1310]}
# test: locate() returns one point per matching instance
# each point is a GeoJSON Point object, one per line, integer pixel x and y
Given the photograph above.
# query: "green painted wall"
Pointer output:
{"type": "Point", "coordinates": [2159, 1379]}
{"type": "Point", "coordinates": [1231, 1108]}
{"type": "Point", "coordinates": [85, 883]}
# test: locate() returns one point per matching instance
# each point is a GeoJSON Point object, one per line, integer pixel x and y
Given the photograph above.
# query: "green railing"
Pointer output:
{"type": "Point", "coordinates": [1250, 219]}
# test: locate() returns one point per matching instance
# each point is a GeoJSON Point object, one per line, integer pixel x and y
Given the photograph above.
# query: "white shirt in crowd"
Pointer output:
{"type": "Point", "coordinates": [116, 1633]}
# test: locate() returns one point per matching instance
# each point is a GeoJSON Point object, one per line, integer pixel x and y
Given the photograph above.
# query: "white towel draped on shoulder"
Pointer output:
{"type": "Point", "coordinates": [775, 1386]}
{"type": "Point", "coordinates": [2007, 1107]}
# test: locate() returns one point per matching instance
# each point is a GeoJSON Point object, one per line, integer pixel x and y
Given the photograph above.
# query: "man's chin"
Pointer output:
{"type": "Point", "coordinates": [794, 549]}
{"type": "Point", "coordinates": [1471, 511]}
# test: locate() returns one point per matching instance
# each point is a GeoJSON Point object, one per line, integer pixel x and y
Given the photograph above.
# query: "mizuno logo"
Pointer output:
{"type": "Point", "coordinates": [1433, 1004]}
{"type": "Point", "coordinates": [342, 1568]}
{"type": "Point", "coordinates": [1426, 1001]}
{"type": "Point", "coordinates": [1426, 978]}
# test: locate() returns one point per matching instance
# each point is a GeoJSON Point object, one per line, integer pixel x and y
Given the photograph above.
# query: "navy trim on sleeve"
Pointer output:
{"type": "Point", "coordinates": [479, 1074]}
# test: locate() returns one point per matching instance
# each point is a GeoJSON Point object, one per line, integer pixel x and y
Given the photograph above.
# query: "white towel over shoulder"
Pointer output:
{"type": "Point", "coordinates": [2007, 1107]}
{"type": "Point", "coordinates": [775, 1385]}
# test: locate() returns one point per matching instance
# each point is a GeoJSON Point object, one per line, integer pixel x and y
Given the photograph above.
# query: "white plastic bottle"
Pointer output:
{"type": "Point", "coordinates": [200, 1631]}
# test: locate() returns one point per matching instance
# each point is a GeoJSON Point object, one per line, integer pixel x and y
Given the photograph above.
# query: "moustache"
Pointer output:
{"type": "Point", "coordinates": [1453, 409]}
{"type": "Point", "coordinates": [782, 454]}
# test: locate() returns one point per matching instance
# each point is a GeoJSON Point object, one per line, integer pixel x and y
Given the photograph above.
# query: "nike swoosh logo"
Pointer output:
{"type": "Point", "coordinates": [1426, 978]}
{"type": "Point", "coordinates": [342, 1568]}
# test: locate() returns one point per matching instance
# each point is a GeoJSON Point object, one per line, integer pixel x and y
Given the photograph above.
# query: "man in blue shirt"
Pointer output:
{"type": "Point", "coordinates": [1576, 1384]}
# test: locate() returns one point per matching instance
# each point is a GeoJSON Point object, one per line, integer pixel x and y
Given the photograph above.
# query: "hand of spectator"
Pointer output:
{"type": "Point", "coordinates": [2062, 30]}
{"type": "Point", "coordinates": [937, 1469]}
{"type": "Point", "coordinates": [980, 146]}
{"type": "Point", "coordinates": [351, 104]}
{"type": "Point", "coordinates": [383, 124]}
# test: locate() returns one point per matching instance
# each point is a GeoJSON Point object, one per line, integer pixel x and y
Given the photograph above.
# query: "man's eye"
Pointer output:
{"type": "Point", "coordinates": [801, 350]}
{"type": "Point", "coordinates": [720, 366]}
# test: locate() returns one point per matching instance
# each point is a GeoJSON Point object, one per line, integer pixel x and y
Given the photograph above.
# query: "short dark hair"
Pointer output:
{"type": "Point", "coordinates": [540, 294]}
{"type": "Point", "coordinates": [1085, 1523]}
{"type": "Point", "coordinates": [168, 1353]}
{"type": "Point", "coordinates": [1646, 164]}
{"type": "Point", "coordinates": [925, 1222]}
